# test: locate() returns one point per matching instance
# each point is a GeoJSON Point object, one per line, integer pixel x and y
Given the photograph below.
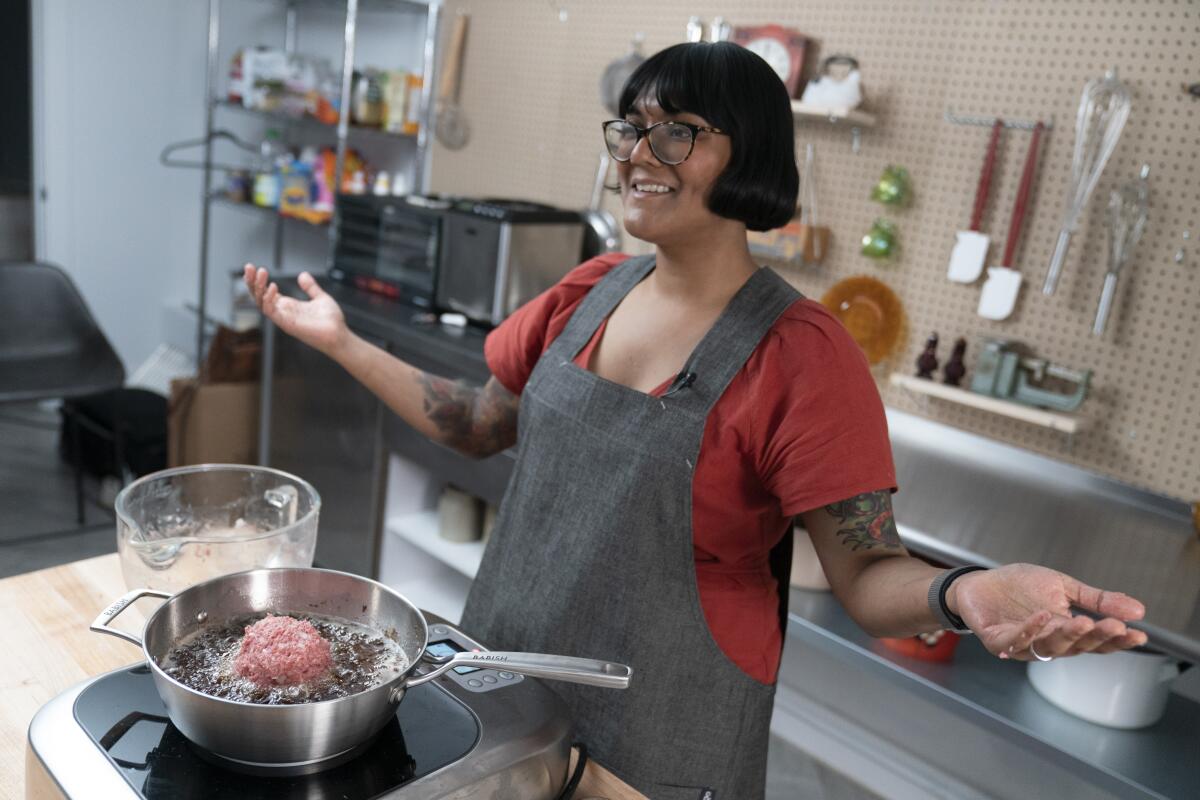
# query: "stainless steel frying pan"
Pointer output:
{"type": "Point", "coordinates": [301, 737]}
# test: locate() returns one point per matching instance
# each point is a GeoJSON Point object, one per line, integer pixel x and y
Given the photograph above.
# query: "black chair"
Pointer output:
{"type": "Point", "coordinates": [51, 347]}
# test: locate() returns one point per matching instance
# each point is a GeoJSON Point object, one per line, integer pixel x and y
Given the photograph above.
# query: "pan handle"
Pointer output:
{"type": "Point", "coordinates": [100, 624]}
{"type": "Point", "coordinates": [538, 665]}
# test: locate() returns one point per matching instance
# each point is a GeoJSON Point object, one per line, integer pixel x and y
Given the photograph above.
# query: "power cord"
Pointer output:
{"type": "Point", "coordinates": [573, 782]}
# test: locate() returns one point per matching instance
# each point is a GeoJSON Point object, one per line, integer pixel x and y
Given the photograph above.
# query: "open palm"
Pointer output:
{"type": "Point", "coordinates": [318, 321]}
{"type": "Point", "coordinates": [1014, 606]}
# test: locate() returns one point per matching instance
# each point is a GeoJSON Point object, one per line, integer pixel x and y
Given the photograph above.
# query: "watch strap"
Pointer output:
{"type": "Point", "coordinates": [937, 598]}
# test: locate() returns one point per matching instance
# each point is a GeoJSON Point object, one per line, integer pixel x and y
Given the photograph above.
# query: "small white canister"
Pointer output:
{"type": "Point", "coordinates": [460, 517]}
{"type": "Point", "coordinates": [1128, 689]}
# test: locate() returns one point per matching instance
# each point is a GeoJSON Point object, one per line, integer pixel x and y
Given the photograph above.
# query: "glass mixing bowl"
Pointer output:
{"type": "Point", "coordinates": [181, 526]}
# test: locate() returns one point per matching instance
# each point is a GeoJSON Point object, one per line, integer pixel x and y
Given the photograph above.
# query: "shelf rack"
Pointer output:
{"type": "Point", "coordinates": [213, 104]}
{"type": "Point", "coordinates": [250, 208]}
{"type": "Point", "coordinates": [420, 528]}
{"type": "Point", "coordinates": [309, 122]}
{"type": "Point", "coordinates": [1055, 420]}
{"type": "Point", "coordinates": [852, 117]}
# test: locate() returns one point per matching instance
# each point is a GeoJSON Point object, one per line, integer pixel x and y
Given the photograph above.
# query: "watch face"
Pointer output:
{"type": "Point", "coordinates": [774, 53]}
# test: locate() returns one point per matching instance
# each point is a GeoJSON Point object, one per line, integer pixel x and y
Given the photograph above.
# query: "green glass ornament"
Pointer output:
{"type": "Point", "coordinates": [893, 188]}
{"type": "Point", "coordinates": [880, 241]}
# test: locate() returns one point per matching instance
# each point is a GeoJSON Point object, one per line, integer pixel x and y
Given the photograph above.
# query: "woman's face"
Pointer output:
{"type": "Point", "coordinates": [682, 211]}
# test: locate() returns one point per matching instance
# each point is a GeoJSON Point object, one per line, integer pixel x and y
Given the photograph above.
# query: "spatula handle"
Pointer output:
{"type": "Point", "coordinates": [448, 88]}
{"type": "Point", "coordinates": [985, 177]}
{"type": "Point", "coordinates": [1014, 227]}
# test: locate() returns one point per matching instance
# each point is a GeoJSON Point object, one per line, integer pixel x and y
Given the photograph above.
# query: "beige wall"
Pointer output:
{"type": "Point", "coordinates": [531, 93]}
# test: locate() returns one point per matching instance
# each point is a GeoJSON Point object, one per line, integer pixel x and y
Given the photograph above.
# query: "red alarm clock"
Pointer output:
{"type": "Point", "coordinates": [782, 48]}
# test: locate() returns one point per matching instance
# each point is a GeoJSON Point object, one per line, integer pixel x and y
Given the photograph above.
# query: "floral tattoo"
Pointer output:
{"type": "Point", "coordinates": [866, 521]}
{"type": "Point", "coordinates": [477, 420]}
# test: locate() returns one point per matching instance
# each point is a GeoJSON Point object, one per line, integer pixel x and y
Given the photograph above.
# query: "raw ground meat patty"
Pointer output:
{"type": "Point", "coordinates": [282, 651]}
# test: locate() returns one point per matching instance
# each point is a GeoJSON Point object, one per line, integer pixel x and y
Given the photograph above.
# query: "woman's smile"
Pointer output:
{"type": "Point", "coordinates": [649, 188]}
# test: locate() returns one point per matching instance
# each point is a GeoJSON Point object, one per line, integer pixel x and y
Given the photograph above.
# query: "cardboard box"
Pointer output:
{"type": "Point", "coordinates": [212, 423]}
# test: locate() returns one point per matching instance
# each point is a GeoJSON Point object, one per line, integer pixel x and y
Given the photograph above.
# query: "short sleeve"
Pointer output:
{"type": "Point", "coordinates": [512, 350]}
{"type": "Point", "coordinates": [823, 426]}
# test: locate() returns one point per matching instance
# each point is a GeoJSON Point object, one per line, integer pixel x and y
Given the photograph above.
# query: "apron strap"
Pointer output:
{"type": "Point", "coordinates": [723, 350]}
{"type": "Point", "coordinates": [598, 303]}
{"type": "Point", "coordinates": [733, 338]}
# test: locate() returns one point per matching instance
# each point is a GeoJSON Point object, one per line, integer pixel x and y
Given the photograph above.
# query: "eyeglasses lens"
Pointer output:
{"type": "Point", "coordinates": [670, 143]}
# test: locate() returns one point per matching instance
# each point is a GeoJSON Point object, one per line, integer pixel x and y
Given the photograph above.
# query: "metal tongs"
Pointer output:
{"type": "Point", "coordinates": [1127, 220]}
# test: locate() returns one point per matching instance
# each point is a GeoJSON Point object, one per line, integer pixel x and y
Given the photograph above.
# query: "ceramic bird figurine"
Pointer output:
{"type": "Point", "coordinates": [955, 369]}
{"type": "Point", "coordinates": [927, 362]}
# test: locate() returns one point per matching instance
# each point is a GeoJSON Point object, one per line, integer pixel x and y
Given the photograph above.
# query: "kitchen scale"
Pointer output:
{"type": "Point", "coordinates": [469, 735]}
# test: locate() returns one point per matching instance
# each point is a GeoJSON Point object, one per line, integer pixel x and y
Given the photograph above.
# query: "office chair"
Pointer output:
{"type": "Point", "coordinates": [52, 348]}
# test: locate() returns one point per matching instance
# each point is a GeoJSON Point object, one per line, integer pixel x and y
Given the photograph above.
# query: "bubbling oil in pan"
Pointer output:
{"type": "Point", "coordinates": [362, 659]}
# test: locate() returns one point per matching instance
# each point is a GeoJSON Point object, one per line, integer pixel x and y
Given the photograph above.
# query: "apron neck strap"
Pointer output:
{"type": "Point", "coordinates": [726, 347]}
{"type": "Point", "coordinates": [723, 350]}
{"type": "Point", "coordinates": [599, 303]}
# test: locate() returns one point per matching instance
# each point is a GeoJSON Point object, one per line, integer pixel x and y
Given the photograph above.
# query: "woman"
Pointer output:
{"type": "Point", "coordinates": [676, 413]}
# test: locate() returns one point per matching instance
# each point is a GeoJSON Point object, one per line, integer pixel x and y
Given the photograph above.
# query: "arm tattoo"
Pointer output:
{"type": "Point", "coordinates": [866, 521]}
{"type": "Point", "coordinates": [477, 420]}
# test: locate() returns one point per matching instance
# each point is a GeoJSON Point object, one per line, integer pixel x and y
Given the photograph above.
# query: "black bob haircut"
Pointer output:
{"type": "Point", "coordinates": [738, 92]}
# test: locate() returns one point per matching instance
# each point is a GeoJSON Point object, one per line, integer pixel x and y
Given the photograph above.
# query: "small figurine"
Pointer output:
{"type": "Point", "coordinates": [927, 362]}
{"type": "Point", "coordinates": [955, 369]}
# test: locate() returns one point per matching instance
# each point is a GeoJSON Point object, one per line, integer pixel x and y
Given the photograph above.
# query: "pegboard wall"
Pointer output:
{"type": "Point", "coordinates": [531, 92]}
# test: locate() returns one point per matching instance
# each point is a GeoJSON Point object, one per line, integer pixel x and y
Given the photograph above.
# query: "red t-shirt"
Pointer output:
{"type": "Point", "coordinates": [800, 426]}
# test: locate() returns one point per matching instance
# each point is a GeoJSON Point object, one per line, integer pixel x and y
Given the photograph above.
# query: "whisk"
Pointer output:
{"type": "Point", "coordinates": [1127, 220]}
{"type": "Point", "coordinates": [1103, 109]}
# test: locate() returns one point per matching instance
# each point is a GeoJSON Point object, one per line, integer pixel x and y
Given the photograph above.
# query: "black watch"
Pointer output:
{"type": "Point", "coordinates": [937, 599]}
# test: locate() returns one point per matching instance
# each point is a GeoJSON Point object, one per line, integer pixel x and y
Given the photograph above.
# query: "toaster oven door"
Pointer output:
{"type": "Point", "coordinates": [383, 241]}
{"type": "Point", "coordinates": [467, 273]}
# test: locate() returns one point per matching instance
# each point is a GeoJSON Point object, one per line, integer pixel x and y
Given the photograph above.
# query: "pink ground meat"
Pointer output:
{"type": "Point", "coordinates": [282, 651]}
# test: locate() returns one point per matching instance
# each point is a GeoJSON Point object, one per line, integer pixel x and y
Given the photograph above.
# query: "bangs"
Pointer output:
{"type": "Point", "coordinates": [682, 80]}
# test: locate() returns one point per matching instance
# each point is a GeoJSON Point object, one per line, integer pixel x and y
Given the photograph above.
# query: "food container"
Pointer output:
{"type": "Point", "coordinates": [460, 516]}
{"type": "Point", "coordinates": [179, 527]}
{"type": "Point", "coordinates": [1128, 689]}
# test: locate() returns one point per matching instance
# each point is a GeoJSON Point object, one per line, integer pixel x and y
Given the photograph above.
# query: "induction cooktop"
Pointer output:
{"type": "Point", "coordinates": [475, 733]}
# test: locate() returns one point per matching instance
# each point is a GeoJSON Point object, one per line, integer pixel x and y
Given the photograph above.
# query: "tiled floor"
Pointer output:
{"type": "Point", "coordinates": [37, 497]}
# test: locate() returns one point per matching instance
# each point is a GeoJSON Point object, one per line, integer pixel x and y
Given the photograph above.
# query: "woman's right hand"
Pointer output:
{"type": "Point", "coordinates": [318, 321]}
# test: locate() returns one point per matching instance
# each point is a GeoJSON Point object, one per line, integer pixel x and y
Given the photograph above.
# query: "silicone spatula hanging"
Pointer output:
{"type": "Point", "coordinates": [1003, 283]}
{"type": "Point", "coordinates": [970, 246]}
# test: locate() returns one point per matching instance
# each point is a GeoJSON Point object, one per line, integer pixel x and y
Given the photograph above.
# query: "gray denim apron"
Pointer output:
{"type": "Point", "coordinates": [592, 554]}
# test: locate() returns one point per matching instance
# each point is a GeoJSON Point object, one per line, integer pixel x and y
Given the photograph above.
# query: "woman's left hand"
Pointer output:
{"type": "Point", "coordinates": [1017, 605]}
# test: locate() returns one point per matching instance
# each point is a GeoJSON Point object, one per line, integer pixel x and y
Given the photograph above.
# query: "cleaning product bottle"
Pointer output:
{"type": "Point", "coordinates": [266, 178]}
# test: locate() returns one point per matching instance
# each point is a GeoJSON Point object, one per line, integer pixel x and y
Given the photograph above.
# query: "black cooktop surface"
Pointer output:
{"type": "Point", "coordinates": [124, 715]}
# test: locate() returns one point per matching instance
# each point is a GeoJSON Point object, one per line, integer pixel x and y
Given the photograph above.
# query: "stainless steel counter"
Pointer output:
{"type": "Point", "coordinates": [967, 499]}
{"type": "Point", "coordinates": [973, 720]}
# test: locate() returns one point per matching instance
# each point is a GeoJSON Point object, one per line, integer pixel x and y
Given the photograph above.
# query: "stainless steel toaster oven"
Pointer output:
{"type": "Point", "coordinates": [498, 254]}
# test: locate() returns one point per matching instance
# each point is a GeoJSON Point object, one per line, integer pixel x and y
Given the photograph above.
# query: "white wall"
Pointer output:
{"type": "Point", "coordinates": [113, 82]}
{"type": "Point", "coordinates": [116, 81]}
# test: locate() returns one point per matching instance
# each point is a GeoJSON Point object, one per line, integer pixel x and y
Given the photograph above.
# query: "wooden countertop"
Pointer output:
{"type": "Point", "coordinates": [48, 647]}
